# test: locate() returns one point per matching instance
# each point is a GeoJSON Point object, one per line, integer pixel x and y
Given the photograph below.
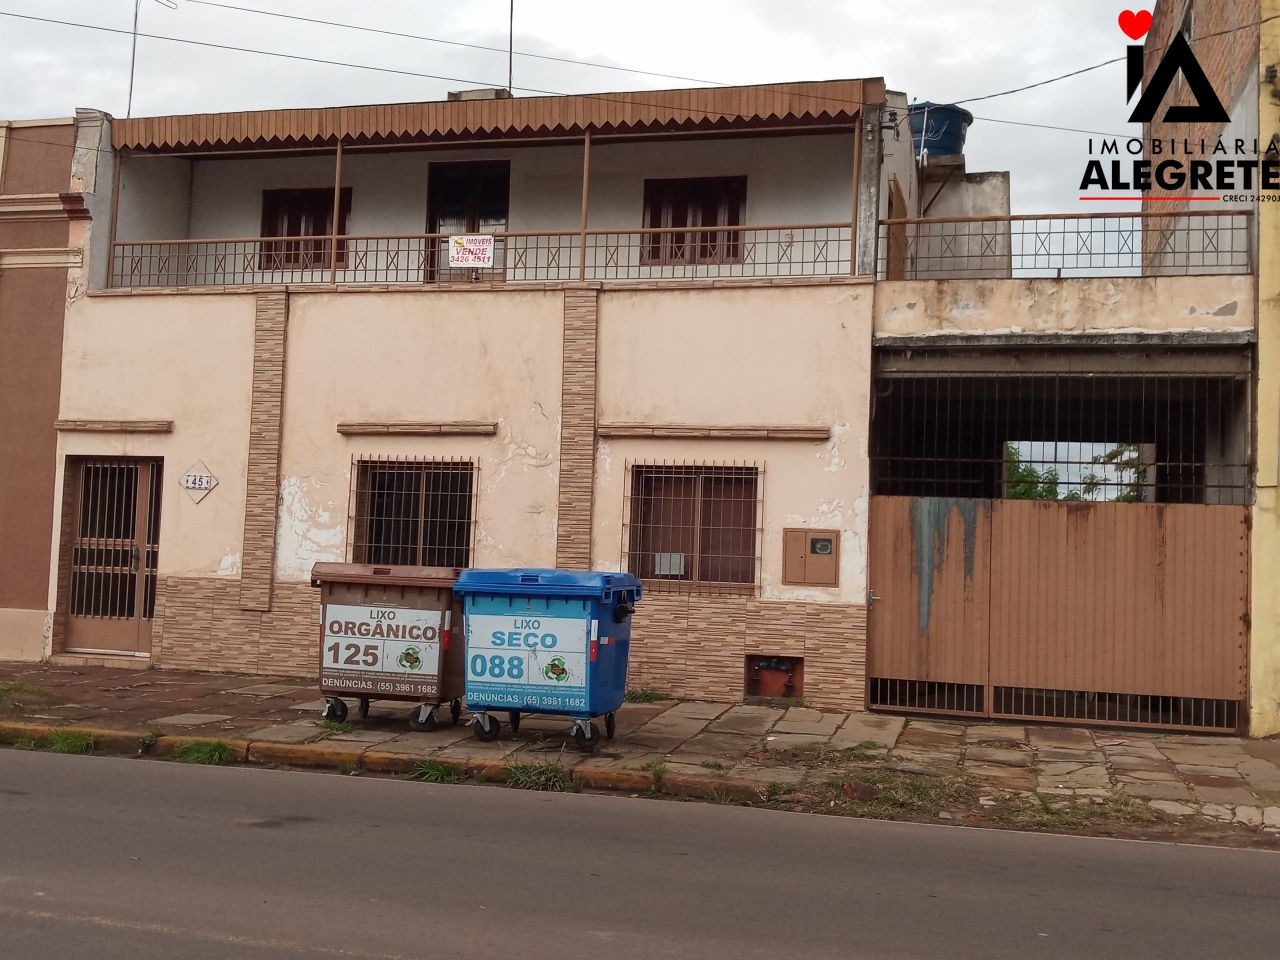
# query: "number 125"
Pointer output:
{"type": "Point", "coordinates": [368, 655]}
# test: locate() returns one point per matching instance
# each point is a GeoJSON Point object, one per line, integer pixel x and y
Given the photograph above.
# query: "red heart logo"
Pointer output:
{"type": "Point", "coordinates": [1135, 25]}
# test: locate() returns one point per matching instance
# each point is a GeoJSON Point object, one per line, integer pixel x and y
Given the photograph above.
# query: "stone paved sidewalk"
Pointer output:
{"type": "Point", "coordinates": [1223, 779]}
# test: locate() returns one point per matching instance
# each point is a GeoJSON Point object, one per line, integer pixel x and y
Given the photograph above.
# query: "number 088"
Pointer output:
{"type": "Point", "coordinates": [497, 667]}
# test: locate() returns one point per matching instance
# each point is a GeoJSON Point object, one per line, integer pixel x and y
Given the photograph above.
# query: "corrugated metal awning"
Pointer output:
{"type": "Point", "coordinates": [835, 102]}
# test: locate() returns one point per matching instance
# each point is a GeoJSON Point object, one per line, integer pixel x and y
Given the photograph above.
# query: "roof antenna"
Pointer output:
{"type": "Point", "coordinates": [133, 53]}
{"type": "Point", "coordinates": [511, 41]}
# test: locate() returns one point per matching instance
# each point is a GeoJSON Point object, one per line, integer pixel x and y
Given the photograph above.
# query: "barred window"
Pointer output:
{"type": "Point", "coordinates": [694, 524]}
{"type": "Point", "coordinates": [415, 512]}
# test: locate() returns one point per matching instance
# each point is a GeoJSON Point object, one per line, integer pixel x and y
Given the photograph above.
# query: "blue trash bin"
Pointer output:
{"type": "Point", "coordinates": [546, 641]}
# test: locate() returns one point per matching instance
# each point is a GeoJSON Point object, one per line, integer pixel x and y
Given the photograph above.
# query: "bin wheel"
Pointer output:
{"type": "Point", "coordinates": [334, 710]}
{"type": "Point", "coordinates": [513, 717]}
{"type": "Point", "coordinates": [364, 708]}
{"type": "Point", "coordinates": [587, 738]}
{"type": "Point", "coordinates": [486, 727]}
{"type": "Point", "coordinates": [423, 718]}
{"type": "Point", "coordinates": [610, 724]}
{"type": "Point", "coordinates": [455, 710]}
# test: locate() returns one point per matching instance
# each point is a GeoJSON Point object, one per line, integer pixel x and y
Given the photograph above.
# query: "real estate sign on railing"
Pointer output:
{"type": "Point", "coordinates": [471, 250]}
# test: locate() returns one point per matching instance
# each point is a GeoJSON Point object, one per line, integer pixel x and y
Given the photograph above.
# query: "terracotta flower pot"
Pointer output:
{"type": "Point", "coordinates": [772, 682]}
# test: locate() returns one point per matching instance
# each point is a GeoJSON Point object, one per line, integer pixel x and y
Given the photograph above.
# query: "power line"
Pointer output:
{"type": "Point", "coordinates": [429, 76]}
{"type": "Point", "coordinates": [452, 43]}
{"type": "Point", "coordinates": [1042, 83]}
{"type": "Point", "coordinates": [602, 97]}
{"type": "Point", "coordinates": [1107, 63]}
{"type": "Point", "coordinates": [630, 100]}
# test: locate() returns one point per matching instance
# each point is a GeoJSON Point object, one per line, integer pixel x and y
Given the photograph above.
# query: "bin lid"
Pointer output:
{"type": "Point", "coordinates": [399, 575]}
{"type": "Point", "coordinates": [539, 582]}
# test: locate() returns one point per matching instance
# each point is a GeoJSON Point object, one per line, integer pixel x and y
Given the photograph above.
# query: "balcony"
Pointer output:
{"type": "Point", "coordinates": [746, 253]}
{"type": "Point", "coordinates": [1173, 243]}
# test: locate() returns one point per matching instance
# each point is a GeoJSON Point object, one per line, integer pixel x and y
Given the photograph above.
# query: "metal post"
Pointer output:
{"type": "Point", "coordinates": [337, 210]}
{"type": "Point", "coordinates": [511, 41]}
{"type": "Point", "coordinates": [115, 219]}
{"type": "Point", "coordinates": [857, 177]}
{"type": "Point", "coordinates": [586, 192]}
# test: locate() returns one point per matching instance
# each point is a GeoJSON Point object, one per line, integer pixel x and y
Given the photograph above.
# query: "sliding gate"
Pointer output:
{"type": "Point", "coordinates": [1097, 573]}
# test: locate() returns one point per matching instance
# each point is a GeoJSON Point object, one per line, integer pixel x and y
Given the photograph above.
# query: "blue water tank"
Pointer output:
{"type": "Point", "coordinates": [939, 128]}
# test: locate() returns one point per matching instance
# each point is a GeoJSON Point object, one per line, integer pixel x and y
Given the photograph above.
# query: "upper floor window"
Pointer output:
{"type": "Point", "coordinates": [415, 512]}
{"type": "Point", "coordinates": [306, 214]}
{"type": "Point", "coordinates": [694, 202]}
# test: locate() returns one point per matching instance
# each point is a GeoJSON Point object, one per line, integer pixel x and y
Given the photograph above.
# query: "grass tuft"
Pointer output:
{"type": "Point", "coordinates": [1034, 813]}
{"type": "Point", "coordinates": [68, 741]}
{"type": "Point", "coordinates": [26, 743]}
{"type": "Point", "coordinates": [150, 739]}
{"type": "Point", "coordinates": [658, 768]}
{"type": "Point", "coordinates": [214, 753]}
{"type": "Point", "coordinates": [435, 771]}
{"type": "Point", "coordinates": [333, 726]}
{"type": "Point", "coordinates": [536, 776]}
{"type": "Point", "coordinates": [645, 695]}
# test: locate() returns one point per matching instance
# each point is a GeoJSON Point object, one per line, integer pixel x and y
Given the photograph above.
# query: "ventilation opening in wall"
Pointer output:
{"type": "Point", "coordinates": [1126, 709]}
{"type": "Point", "coordinates": [775, 678]}
{"type": "Point", "coordinates": [927, 696]}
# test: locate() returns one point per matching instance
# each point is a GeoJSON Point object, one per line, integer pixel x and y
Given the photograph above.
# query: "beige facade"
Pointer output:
{"type": "Point", "coordinates": [656, 373]}
{"type": "Point", "coordinates": [1084, 306]}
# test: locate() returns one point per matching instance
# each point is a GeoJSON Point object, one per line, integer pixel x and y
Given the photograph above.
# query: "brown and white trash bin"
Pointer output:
{"type": "Point", "coordinates": [386, 634]}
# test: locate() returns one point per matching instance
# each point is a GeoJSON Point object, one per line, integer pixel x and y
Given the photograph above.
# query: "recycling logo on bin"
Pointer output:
{"type": "Point", "coordinates": [528, 661]}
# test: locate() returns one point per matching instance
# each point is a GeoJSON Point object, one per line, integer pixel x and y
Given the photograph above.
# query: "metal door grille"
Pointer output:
{"type": "Point", "coordinates": [109, 551]}
{"type": "Point", "coordinates": [1076, 436]}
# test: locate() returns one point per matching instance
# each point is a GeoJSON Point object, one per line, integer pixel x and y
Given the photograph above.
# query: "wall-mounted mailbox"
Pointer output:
{"type": "Point", "coordinates": [811, 557]}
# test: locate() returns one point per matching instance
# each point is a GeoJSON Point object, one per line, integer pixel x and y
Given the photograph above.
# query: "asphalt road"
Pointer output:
{"type": "Point", "coordinates": [111, 858]}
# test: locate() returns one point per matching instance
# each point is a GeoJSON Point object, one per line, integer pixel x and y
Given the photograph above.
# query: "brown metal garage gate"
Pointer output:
{"type": "Point", "coordinates": [1061, 545]}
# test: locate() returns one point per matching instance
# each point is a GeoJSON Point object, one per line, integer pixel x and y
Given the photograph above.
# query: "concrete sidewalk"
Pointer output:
{"type": "Point", "coordinates": [789, 755]}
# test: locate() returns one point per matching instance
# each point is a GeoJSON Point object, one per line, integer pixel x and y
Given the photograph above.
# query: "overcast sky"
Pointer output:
{"type": "Point", "coordinates": [939, 50]}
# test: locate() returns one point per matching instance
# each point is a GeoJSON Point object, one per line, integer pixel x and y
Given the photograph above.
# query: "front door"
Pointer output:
{"type": "Point", "coordinates": [465, 198]}
{"type": "Point", "coordinates": [112, 578]}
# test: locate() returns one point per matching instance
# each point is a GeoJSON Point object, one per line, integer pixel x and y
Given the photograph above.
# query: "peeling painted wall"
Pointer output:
{"type": "Point", "coordinates": [793, 356]}
{"type": "Point", "coordinates": [188, 359]}
{"type": "Point", "coordinates": [492, 356]}
{"type": "Point", "coordinates": [1082, 306]}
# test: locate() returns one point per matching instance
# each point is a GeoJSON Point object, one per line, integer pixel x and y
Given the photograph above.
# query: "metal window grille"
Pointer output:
{"type": "Point", "coordinates": [694, 526]}
{"type": "Point", "coordinates": [1168, 438]}
{"type": "Point", "coordinates": [412, 511]}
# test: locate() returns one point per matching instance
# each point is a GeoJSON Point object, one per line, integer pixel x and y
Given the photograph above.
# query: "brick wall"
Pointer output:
{"type": "Point", "coordinates": [263, 478]}
{"type": "Point", "coordinates": [696, 646]}
{"type": "Point", "coordinates": [200, 625]}
{"type": "Point", "coordinates": [577, 430]}
{"type": "Point", "coordinates": [1228, 59]}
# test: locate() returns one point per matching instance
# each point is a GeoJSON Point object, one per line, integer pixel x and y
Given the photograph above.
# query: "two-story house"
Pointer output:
{"type": "Point", "coordinates": [722, 338]}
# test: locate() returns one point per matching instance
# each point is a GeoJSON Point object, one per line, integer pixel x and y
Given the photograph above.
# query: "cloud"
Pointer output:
{"type": "Point", "coordinates": [932, 49]}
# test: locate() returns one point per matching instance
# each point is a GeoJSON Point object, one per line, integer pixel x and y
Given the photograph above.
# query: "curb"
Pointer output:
{"type": "Point", "coordinates": [348, 757]}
